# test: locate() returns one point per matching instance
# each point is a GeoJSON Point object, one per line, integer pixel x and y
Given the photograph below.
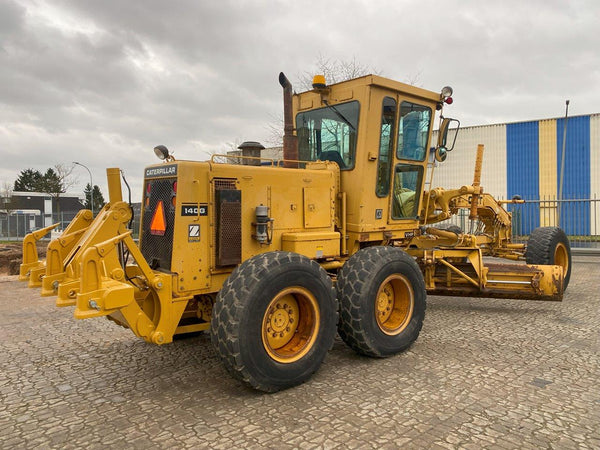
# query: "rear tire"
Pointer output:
{"type": "Point", "coordinates": [274, 320]}
{"type": "Point", "coordinates": [382, 299]}
{"type": "Point", "coordinates": [550, 245]}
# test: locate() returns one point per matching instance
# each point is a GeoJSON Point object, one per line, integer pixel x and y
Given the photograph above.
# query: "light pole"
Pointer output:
{"type": "Point", "coordinates": [562, 165]}
{"type": "Point", "coordinates": [91, 185]}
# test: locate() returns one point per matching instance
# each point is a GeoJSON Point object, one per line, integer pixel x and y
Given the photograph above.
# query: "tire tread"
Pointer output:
{"type": "Point", "coordinates": [541, 245]}
{"type": "Point", "coordinates": [351, 326]}
{"type": "Point", "coordinates": [230, 303]}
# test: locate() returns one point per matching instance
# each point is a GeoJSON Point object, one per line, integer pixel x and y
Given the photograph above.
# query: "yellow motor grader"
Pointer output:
{"type": "Point", "coordinates": [274, 256]}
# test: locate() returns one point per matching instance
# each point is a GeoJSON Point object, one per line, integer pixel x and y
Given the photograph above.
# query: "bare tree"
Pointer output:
{"type": "Point", "coordinates": [414, 79]}
{"type": "Point", "coordinates": [6, 203]}
{"type": "Point", "coordinates": [275, 131]}
{"type": "Point", "coordinates": [231, 148]}
{"type": "Point", "coordinates": [6, 195]}
{"type": "Point", "coordinates": [60, 182]}
{"type": "Point", "coordinates": [335, 71]}
{"type": "Point", "coordinates": [64, 173]}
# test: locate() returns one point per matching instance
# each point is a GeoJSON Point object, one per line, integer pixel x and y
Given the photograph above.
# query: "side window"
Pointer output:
{"type": "Point", "coordinates": [386, 142]}
{"type": "Point", "coordinates": [413, 131]}
{"type": "Point", "coordinates": [407, 185]}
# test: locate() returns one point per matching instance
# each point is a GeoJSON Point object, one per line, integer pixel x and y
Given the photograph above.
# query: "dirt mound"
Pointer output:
{"type": "Point", "coordinates": [11, 256]}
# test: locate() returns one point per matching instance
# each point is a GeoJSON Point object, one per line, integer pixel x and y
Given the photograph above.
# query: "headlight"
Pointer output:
{"type": "Point", "coordinates": [447, 92]}
{"type": "Point", "coordinates": [161, 151]}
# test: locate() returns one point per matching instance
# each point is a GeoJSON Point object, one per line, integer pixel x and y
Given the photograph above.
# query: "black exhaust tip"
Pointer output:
{"type": "Point", "coordinates": [283, 81]}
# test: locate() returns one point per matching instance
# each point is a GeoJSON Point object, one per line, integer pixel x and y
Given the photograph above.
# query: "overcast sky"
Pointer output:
{"type": "Point", "coordinates": [103, 82]}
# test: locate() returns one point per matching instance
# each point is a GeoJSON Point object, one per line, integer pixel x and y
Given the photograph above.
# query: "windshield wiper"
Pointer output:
{"type": "Point", "coordinates": [339, 114]}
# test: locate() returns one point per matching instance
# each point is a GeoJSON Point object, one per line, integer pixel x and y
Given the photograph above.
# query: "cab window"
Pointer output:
{"type": "Point", "coordinates": [413, 131]}
{"type": "Point", "coordinates": [407, 183]}
{"type": "Point", "coordinates": [386, 143]}
{"type": "Point", "coordinates": [329, 134]}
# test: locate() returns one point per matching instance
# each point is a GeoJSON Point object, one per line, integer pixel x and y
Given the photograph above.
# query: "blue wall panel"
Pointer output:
{"type": "Point", "coordinates": [575, 217]}
{"type": "Point", "coordinates": [522, 173]}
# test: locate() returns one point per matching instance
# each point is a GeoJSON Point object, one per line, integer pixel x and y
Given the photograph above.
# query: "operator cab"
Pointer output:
{"type": "Point", "coordinates": [378, 131]}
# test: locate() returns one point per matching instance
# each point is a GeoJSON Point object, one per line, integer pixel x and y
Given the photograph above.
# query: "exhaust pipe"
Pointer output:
{"type": "Point", "coordinates": [290, 142]}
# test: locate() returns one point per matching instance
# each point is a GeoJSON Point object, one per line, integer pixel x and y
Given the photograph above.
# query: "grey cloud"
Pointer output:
{"type": "Point", "coordinates": [195, 75]}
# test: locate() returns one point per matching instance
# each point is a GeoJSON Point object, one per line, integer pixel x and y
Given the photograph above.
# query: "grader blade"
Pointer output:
{"type": "Point", "coordinates": [528, 282]}
{"type": "Point", "coordinates": [496, 280]}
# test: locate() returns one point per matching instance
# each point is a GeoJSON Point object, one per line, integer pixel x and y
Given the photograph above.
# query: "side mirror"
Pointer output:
{"type": "Point", "coordinates": [441, 154]}
{"type": "Point", "coordinates": [443, 134]}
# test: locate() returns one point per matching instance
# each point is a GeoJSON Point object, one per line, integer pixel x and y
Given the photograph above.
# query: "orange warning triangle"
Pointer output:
{"type": "Point", "coordinates": [158, 226]}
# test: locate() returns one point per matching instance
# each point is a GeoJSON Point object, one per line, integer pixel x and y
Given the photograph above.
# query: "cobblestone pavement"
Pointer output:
{"type": "Point", "coordinates": [483, 373]}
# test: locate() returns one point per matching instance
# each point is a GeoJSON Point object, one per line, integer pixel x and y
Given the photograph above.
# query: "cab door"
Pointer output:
{"type": "Point", "coordinates": [410, 161]}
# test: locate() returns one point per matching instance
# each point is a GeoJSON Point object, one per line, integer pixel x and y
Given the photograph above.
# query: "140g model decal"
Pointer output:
{"type": "Point", "coordinates": [194, 209]}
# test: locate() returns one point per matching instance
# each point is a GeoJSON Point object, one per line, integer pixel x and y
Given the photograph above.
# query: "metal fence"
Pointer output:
{"type": "Point", "coordinates": [580, 218]}
{"type": "Point", "coordinates": [14, 226]}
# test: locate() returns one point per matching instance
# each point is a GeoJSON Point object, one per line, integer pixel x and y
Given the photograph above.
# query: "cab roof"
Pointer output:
{"type": "Point", "coordinates": [386, 83]}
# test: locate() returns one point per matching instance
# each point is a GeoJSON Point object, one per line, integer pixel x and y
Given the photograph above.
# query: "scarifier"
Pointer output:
{"type": "Point", "coordinates": [272, 257]}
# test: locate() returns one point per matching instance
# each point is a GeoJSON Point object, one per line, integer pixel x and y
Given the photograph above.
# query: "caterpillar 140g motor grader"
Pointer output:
{"type": "Point", "coordinates": [274, 256]}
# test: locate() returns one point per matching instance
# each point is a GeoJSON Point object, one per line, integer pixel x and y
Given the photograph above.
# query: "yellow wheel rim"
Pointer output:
{"type": "Point", "coordinates": [561, 257]}
{"type": "Point", "coordinates": [394, 304]}
{"type": "Point", "coordinates": [290, 324]}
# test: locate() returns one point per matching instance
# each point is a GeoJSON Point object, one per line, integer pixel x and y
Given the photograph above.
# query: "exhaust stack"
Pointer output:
{"type": "Point", "coordinates": [290, 142]}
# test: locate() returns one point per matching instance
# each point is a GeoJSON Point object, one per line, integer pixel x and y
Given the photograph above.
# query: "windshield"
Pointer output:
{"type": "Point", "coordinates": [329, 134]}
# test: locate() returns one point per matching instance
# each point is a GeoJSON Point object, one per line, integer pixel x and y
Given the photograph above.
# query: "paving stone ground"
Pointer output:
{"type": "Point", "coordinates": [485, 373]}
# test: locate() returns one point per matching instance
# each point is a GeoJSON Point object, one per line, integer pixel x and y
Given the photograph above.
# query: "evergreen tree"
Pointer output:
{"type": "Point", "coordinates": [87, 193]}
{"type": "Point", "coordinates": [55, 181]}
{"type": "Point", "coordinates": [51, 183]}
{"type": "Point", "coordinates": [97, 196]}
{"type": "Point", "coordinates": [29, 180]}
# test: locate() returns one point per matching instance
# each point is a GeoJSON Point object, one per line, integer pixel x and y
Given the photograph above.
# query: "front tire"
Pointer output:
{"type": "Point", "coordinates": [550, 245]}
{"type": "Point", "coordinates": [274, 320]}
{"type": "Point", "coordinates": [382, 299]}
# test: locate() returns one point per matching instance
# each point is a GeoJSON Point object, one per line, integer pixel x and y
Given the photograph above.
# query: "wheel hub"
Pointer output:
{"type": "Point", "coordinates": [282, 321]}
{"type": "Point", "coordinates": [394, 304]}
{"type": "Point", "coordinates": [385, 303]}
{"type": "Point", "coordinates": [561, 257]}
{"type": "Point", "coordinates": [290, 324]}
